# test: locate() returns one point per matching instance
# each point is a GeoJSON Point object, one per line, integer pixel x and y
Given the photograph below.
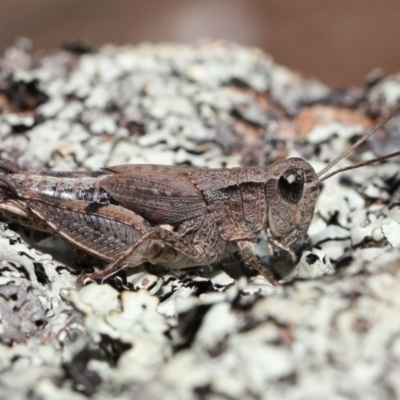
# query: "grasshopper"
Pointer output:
{"type": "Point", "coordinates": [174, 216]}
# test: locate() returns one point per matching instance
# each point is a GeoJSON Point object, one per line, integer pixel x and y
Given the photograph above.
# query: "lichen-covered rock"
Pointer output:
{"type": "Point", "coordinates": [216, 332]}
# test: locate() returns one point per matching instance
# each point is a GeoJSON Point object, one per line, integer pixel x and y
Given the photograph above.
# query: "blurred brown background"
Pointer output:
{"type": "Point", "coordinates": [338, 42]}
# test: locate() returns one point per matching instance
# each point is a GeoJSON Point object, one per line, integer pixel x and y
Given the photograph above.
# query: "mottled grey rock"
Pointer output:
{"type": "Point", "coordinates": [330, 330]}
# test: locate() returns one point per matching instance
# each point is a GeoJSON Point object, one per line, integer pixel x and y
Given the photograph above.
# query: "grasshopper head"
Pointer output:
{"type": "Point", "coordinates": [291, 190]}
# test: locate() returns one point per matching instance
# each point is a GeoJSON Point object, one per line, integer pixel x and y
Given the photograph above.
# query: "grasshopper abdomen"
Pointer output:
{"type": "Point", "coordinates": [41, 186]}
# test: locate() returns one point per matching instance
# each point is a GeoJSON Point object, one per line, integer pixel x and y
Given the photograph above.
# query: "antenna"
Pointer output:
{"type": "Point", "coordinates": [362, 139]}
{"type": "Point", "coordinates": [397, 153]}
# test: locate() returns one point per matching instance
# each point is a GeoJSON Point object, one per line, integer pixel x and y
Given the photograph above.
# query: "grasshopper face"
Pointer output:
{"type": "Point", "coordinates": [291, 191]}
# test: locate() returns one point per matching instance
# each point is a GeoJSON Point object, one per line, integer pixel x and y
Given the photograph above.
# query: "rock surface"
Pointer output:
{"type": "Point", "coordinates": [216, 332]}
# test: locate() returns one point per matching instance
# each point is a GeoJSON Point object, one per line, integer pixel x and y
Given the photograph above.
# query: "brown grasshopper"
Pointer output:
{"type": "Point", "coordinates": [172, 216]}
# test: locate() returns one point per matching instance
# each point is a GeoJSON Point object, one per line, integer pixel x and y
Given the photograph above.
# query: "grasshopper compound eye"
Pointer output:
{"type": "Point", "coordinates": [291, 185]}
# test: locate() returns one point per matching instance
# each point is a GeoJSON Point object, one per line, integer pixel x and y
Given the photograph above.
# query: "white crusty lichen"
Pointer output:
{"type": "Point", "coordinates": [331, 329]}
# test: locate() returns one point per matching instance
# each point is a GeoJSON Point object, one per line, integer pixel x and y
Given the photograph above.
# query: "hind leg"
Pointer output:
{"type": "Point", "coordinates": [195, 253]}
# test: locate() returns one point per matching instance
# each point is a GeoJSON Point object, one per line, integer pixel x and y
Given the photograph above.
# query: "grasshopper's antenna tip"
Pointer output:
{"type": "Point", "coordinates": [362, 139]}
